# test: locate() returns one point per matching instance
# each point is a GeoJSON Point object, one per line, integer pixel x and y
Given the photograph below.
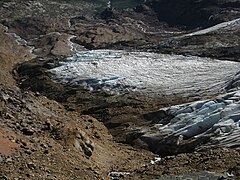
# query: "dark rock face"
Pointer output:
{"type": "Point", "coordinates": [195, 13]}
{"type": "Point", "coordinates": [219, 44]}
{"type": "Point", "coordinates": [108, 14]}
{"type": "Point", "coordinates": [142, 9]}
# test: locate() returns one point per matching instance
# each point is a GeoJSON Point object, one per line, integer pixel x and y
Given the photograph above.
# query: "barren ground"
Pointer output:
{"type": "Point", "coordinates": [53, 131]}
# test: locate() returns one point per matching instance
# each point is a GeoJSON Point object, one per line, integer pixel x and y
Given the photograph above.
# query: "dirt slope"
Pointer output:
{"type": "Point", "coordinates": [42, 139]}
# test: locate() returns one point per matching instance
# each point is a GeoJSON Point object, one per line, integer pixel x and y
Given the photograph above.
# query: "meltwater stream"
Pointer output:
{"type": "Point", "coordinates": [150, 74]}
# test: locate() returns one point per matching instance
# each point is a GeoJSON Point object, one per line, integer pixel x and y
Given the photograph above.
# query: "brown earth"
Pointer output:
{"type": "Point", "coordinates": [41, 138]}
{"type": "Point", "coordinates": [120, 114]}
{"type": "Point", "coordinates": [47, 135]}
{"type": "Point", "coordinates": [8, 145]}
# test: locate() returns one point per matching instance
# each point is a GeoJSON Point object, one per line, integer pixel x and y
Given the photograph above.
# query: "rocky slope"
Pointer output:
{"type": "Point", "coordinates": [220, 41]}
{"type": "Point", "coordinates": [47, 130]}
{"type": "Point", "coordinates": [40, 139]}
{"type": "Point", "coordinates": [195, 13]}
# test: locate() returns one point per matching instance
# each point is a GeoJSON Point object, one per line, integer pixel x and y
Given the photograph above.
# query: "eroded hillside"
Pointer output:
{"type": "Point", "coordinates": [50, 129]}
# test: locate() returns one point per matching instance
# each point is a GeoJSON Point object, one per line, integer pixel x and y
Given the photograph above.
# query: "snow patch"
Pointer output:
{"type": "Point", "coordinates": [230, 24]}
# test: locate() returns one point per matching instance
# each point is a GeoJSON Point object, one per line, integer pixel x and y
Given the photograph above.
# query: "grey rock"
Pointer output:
{"type": "Point", "coordinates": [28, 151]}
{"type": "Point", "coordinates": [84, 145]}
{"type": "Point", "coordinates": [1, 159]}
{"type": "Point", "coordinates": [3, 177]}
{"type": "Point", "coordinates": [27, 131]}
{"type": "Point", "coordinates": [31, 165]}
{"type": "Point", "coordinates": [9, 160]}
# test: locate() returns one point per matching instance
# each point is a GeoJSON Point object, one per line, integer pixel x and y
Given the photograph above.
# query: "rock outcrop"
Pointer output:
{"type": "Point", "coordinates": [195, 13]}
{"type": "Point", "coordinates": [50, 139]}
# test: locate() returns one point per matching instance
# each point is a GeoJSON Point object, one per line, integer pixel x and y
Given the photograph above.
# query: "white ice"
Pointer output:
{"type": "Point", "coordinates": [216, 118]}
{"type": "Point", "coordinates": [161, 75]}
{"type": "Point", "coordinates": [150, 74]}
{"type": "Point", "coordinates": [230, 24]}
